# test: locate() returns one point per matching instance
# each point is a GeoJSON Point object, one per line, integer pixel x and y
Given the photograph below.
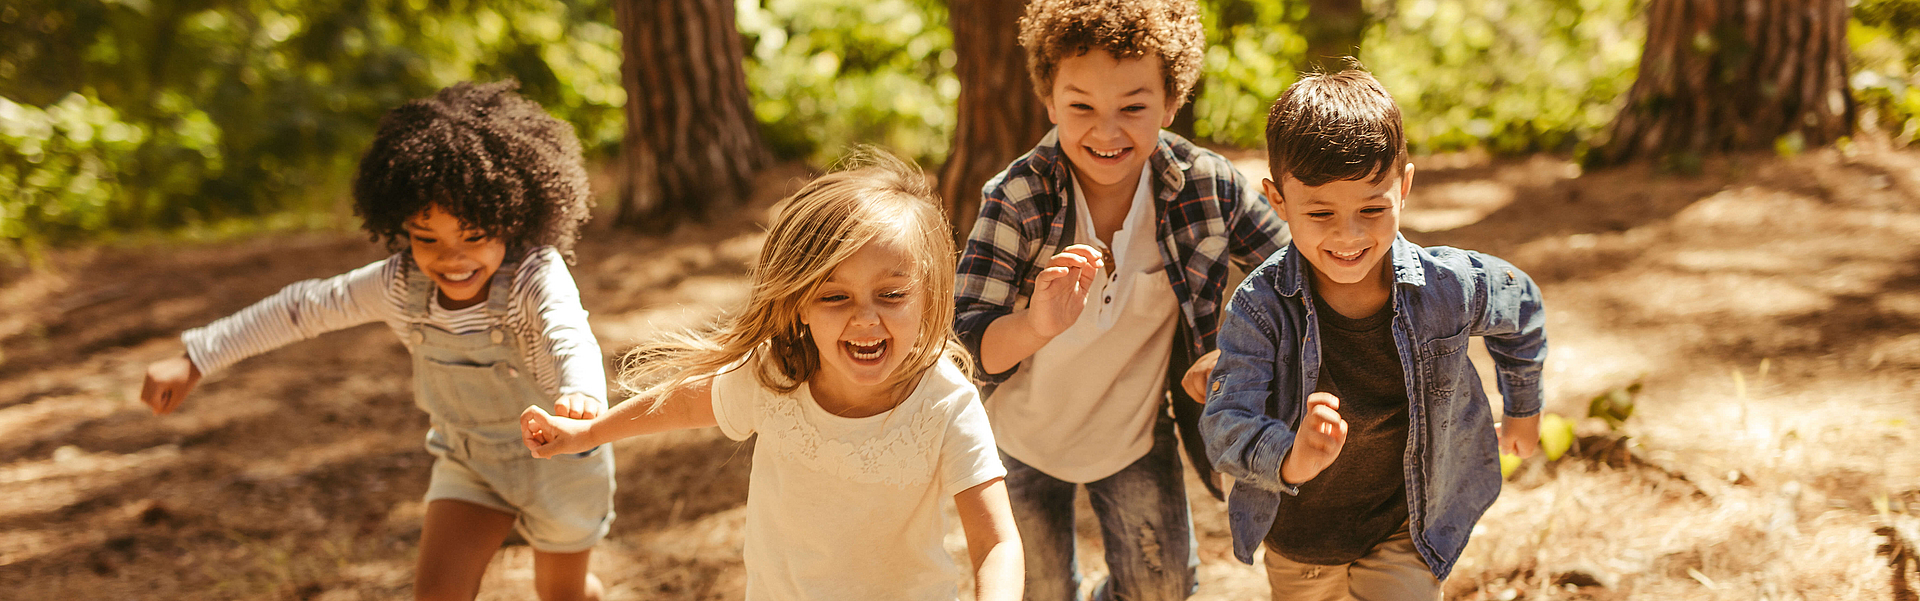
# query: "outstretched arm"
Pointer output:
{"type": "Point", "coordinates": [690, 406]}
{"type": "Point", "coordinates": [999, 563]}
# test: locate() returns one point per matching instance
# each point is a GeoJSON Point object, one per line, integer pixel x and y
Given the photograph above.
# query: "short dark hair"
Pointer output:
{"type": "Point", "coordinates": [1335, 127]}
{"type": "Point", "coordinates": [485, 155]}
{"type": "Point", "coordinates": [1169, 29]}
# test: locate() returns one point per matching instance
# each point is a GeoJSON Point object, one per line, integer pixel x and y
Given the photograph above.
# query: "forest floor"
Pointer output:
{"type": "Point", "coordinates": [1765, 311]}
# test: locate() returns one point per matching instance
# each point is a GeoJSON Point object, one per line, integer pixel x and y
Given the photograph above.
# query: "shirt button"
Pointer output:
{"type": "Point", "coordinates": [1216, 387]}
{"type": "Point", "coordinates": [419, 337]}
{"type": "Point", "coordinates": [1109, 299]}
{"type": "Point", "coordinates": [496, 336]}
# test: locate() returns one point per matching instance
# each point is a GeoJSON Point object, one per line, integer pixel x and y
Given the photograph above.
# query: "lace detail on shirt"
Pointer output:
{"type": "Point", "coordinates": [904, 456]}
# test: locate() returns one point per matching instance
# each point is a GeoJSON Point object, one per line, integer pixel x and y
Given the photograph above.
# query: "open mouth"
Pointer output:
{"type": "Point", "coordinates": [1347, 257]}
{"type": "Point", "coordinates": [459, 277]}
{"type": "Point", "coordinates": [866, 351]}
{"type": "Point", "coordinates": [1108, 155]}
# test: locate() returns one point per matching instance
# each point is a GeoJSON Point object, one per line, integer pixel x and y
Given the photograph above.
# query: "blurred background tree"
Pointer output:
{"type": "Point", "coordinates": [208, 116]}
{"type": "Point", "coordinates": [1721, 75]}
{"type": "Point", "coordinates": [999, 115]}
{"type": "Point", "coordinates": [691, 139]}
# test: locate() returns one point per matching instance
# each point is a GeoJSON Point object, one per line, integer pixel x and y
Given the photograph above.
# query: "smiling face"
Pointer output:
{"type": "Point", "coordinates": [1110, 112]}
{"type": "Point", "coordinates": [1345, 229]}
{"type": "Point", "coordinates": [865, 320]}
{"type": "Point", "coordinates": [460, 260]}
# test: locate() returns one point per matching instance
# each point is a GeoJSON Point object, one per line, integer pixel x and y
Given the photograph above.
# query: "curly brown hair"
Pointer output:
{"type": "Point", "coordinates": [485, 155]}
{"type": "Point", "coordinates": [1169, 29]}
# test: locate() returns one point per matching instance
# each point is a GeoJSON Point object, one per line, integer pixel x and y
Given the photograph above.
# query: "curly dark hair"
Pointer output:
{"type": "Point", "coordinates": [485, 155]}
{"type": "Point", "coordinates": [1170, 29]}
{"type": "Point", "coordinates": [1331, 127]}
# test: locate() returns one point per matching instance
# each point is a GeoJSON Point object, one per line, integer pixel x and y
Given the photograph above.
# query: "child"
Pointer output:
{"type": "Point", "coordinates": [845, 365]}
{"type": "Point", "coordinates": [1344, 358]}
{"type": "Point", "coordinates": [1110, 211]}
{"type": "Point", "coordinates": [486, 193]}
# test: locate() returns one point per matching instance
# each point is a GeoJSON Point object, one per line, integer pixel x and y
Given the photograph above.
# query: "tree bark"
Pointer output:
{"type": "Point", "coordinates": [1727, 75]}
{"type": "Point", "coordinates": [692, 143]}
{"type": "Point", "coordinates": [1000, 117]}
{"type": "Point", "coordinates": [1333, 30]}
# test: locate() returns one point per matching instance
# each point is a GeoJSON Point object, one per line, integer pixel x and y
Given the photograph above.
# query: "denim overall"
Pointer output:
{"type": "Point", "coordinates": [474, 387]}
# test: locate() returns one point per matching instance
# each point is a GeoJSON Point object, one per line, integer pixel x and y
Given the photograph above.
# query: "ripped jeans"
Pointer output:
{"type": "Point", "coordinates": [1144, 524]}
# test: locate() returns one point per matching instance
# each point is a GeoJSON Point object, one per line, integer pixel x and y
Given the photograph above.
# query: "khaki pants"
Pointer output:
{"type": "Point", "coordinates": [1393, 571]}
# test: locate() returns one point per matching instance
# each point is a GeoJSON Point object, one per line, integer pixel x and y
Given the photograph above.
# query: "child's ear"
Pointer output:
{"type": "Point", "coordinates": [1047, 101]}
{"type": "Point", "coordinates": [1406, 183]}
{"type": "Point", "coordinates": [1273, 198]}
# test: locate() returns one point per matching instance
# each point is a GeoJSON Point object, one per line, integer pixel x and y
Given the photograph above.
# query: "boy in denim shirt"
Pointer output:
{"type": "Point", "coordinates": [1343, 402]}
{"type": "Point", "coordinates": [1092, 280]}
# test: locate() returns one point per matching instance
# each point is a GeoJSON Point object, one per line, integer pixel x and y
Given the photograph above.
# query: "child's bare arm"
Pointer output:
{"type": "Point", "coordinates": [1059, 295]}
{"type": "Point", "coordinates": [168, 382]}
{"type": "Point", "coordinates": [993, 541]}
{"type": "Point", "coordinates": [690, 406]}
{"type": "Point", "coordinates": [579, 406]}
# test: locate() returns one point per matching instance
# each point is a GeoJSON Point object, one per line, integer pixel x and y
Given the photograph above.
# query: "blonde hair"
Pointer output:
{"type": "Point", "coordinates": [817, 228]}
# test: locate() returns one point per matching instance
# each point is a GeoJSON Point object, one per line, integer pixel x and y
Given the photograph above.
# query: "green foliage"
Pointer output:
{"type": "Point", "coordinates": [1885, 40]}
{"type": "Point", "coordinates": [1614, 406]}
{"type": "Point", "coordinates": [136, 114]}
{"type": "Point", "coordinates": [829, 74]}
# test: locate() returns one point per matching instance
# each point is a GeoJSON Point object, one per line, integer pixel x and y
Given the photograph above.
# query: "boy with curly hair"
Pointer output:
{"type": "Point", "coordinates": [1109, 210]}
{"type": "Point", "coordinates": [480, 195]}
{"type": "Point", "coordinates": [1343, 403]}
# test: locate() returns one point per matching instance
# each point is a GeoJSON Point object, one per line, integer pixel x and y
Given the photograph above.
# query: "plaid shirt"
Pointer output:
{"type": "Point", "coordinates": [1205, 214]}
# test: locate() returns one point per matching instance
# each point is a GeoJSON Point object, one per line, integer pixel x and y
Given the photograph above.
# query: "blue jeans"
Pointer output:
{"type": "Point", "coordinates": [1143, 521]}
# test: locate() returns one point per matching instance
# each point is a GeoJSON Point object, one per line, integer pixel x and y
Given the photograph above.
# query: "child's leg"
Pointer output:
{"type": "Point", "coordinates": [1295, 581]}
{"type": "Point", "coordinates": [1392, 571]}
{"type": "Point", "coordinates": [564, 577]}
{"type": "Point", "coordinates": [1144, 521]}
{"type": "Point", "coordinates": [456, 543]}
{"type": "Point", "coordinates": [1043, 512]}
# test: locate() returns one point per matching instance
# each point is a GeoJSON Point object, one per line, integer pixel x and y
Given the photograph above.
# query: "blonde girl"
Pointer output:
{"type": "Point", "coordinates": [845, 365]}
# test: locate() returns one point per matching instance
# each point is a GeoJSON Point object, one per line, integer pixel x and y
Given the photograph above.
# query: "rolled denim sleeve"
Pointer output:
{"type": "Point", "coordinates": [1242, 440]}
{"type": "Point", "coordinates": [1512, 318]}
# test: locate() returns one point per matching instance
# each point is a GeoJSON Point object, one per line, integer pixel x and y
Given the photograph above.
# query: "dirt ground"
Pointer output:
{"type": "Point", "coordinates": [1767, 309]}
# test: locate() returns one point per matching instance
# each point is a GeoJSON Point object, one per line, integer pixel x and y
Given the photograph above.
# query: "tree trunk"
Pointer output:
{"type": "Point", "coordinates": [1725, 75]}
{"type": "Point", "coordinates": [692, 142]}
{"type": "Point", "coordinates": [1333, 30]}
{"type": "Point", "coordinates": [1000, 118]}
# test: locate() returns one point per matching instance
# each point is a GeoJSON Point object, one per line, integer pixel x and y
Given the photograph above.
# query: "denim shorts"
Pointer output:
{"type": "Point", "coordinates": [563, 504]}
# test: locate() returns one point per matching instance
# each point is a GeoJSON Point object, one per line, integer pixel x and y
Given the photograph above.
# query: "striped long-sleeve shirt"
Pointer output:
{"type": "Point", "coordinates": [545, 313]}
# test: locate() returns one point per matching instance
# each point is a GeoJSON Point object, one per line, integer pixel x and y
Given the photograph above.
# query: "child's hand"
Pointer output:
{"type": "Point", "coordinates": [579, 406]}
{"type": "Point", "coordinates": [1519, 436]}
{"type": "Point", "coordinates": [168, 382]}
{"type": "Point", "coordinates": [1196, 379]}
{"type": "Point", "coordinates": [547, 435]}
{"type": "Point", "coordinates": [1322, 434]}
{"type": "Point", "coordinates": [1060, 291]}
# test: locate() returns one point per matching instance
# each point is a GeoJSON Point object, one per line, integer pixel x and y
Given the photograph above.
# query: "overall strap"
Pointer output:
{"type": "Point", "coordinates": [420, 289]}
{"type": "Point", "coordinates": [500, 291]}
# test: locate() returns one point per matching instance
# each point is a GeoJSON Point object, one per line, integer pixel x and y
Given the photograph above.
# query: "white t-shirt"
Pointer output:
{"type": "Point", "coordinates": [851, 508]}
{"type": "Point", "coordinates": [1082, 407]}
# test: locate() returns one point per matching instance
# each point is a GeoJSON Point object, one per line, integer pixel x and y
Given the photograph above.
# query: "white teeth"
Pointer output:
{"type": "Point", "coordinates": [1352, 255]}
{"type": "Point", "coordinates": [459, 277]}
{"type": "Point", "coordinates": [1106, 155]}
{"type": "Point", "coordinates": [867, 351]}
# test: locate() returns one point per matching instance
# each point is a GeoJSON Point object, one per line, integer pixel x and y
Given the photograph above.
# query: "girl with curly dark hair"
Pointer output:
{"type": "Point", "coordinates": [480, 194]}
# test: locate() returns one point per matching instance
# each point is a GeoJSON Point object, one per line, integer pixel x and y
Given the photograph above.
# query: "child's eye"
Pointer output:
{"type": "Point", "coordinates": [1373, 210]}
{"type": "Point", "coordinates": [832, 298]}
{"type": "Point", "coordinates": [1320, 214]}
{"type": "Point", "coordinates": [423, 239]}
{"type": "Point", "coordinates": [894, 294]}
{"type": "Point", "coordinates": [476, 238]}
{"type": "Point", "coordinates": [1081, 106]}
{"type": "Point", "coordinates": [1135, 108]}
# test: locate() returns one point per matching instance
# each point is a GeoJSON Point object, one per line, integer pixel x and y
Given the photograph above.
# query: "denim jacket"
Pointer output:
{"type": "Point", "coordinates": [1270, 359]}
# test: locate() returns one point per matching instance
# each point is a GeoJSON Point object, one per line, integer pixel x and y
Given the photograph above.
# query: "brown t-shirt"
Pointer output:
{"type": "Point", "coordinates": [1361, 498]}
